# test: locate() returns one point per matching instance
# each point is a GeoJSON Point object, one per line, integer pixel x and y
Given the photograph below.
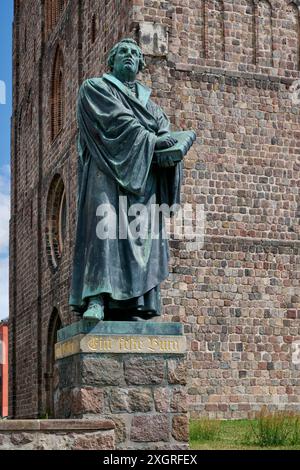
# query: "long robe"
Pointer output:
{"type": "Point", "coordinates": [116, 141]}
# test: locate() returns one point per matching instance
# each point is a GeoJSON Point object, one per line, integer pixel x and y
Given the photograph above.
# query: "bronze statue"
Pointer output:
{"type": "Point", "coordinates": [120, 129]}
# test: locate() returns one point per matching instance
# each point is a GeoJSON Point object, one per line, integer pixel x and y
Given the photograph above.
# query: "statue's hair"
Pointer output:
{"type": "Point", "coordinates": [113, 52]}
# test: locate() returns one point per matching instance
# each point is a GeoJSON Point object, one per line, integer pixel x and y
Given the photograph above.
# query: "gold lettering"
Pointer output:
{"type": "Point", "coordinates": [58, 350]}
{"type": "Point", "coordinates": [98, 343]}
{"type": "Point", "coordinates": [153, 344]}
{"type": "Point", "coordinates": [107, 344]}
{"type": "Point", "coordinates": [119, 344]}
{"type": "Point", "coordinates": [130, 344]}
{"type": "Point", "coordinates": [163, 345]}
{"type": "Point", "coordinates": [104, 344]}
{"type": "Point", "coordinates": [93, 343]}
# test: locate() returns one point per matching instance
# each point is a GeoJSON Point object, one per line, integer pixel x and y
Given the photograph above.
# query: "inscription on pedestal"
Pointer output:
{"type": "Point", "coordinates": [159, 344]}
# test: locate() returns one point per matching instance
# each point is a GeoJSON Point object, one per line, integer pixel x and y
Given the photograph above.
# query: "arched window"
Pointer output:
{"type": "Point", "coordinates": [57, 95]}
{"type": "Point", "coordinates": [20, 129]}
{"type": "Point", "coordinates": [62, 221]}
{"type": "Point", "coordinates": [55, 324]}
{"type": "Point", "coordinates": [29, 109]}
{"type": "Point", "coordinates": [265, 34]}
{"type": "Point", "coordinates": [215, 30]}
{"type": "Point", "coordinates": [25, 39]}
{"type": "Point", "coordinates": [291, 52]}
{"type": "Point", "coordinates": [94, 29]}
{"type": "Point", "coordinates": [53, 10]}
{"type": "Point", "coordinates": [56, 221]}
{"type": "Point", "coordinates": [247, 36]}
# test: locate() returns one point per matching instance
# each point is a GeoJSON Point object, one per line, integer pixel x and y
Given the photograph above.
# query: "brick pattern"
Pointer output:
{"type": "Point", "coordinates": [227, 74]}
{"type": "Point", "coordinates": [53, 11]}
{"type": "Point", "coordinates": [245, 35]}
{"type": "Point", "coordinates": [145, 397]}
{"type": "Point", "coordinates": [36, 289]}
{"type": "Point", "coordinates": [237, 295]}
{"type": "Point", "coordinates": [57, 95]}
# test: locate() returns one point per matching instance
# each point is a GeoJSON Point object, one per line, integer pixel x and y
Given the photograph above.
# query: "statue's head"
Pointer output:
{"type": "Point", "coordinates": [126, 57]}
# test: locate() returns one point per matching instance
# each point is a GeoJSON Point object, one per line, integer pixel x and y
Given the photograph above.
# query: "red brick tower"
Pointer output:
{"type": "Point", "coordinates": [225, 69]}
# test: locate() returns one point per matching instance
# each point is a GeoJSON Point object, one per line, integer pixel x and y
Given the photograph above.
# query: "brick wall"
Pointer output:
{"type": "Point", "coordinates": [36, 289]}
{"type": "Point", "coordinates": [226, 73]}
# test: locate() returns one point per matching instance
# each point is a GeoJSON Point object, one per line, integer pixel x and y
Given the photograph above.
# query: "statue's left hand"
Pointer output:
{"type": "Point", "coordinates": [165, 141]}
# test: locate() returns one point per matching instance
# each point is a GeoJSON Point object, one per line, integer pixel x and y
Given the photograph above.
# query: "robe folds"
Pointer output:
{"type": "Point", "coordinates": [117, 136]}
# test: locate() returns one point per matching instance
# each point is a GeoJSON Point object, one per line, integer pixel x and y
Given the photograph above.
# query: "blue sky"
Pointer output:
{"type": "Point", "coordinates": [6, 18]}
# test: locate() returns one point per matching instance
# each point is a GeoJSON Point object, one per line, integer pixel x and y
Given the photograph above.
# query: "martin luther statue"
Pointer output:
{"type": "Point", "coordinates": [120, 128]}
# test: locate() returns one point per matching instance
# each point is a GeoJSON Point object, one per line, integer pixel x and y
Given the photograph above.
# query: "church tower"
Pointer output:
{"type": "Point", "coordinates": [230, 71]}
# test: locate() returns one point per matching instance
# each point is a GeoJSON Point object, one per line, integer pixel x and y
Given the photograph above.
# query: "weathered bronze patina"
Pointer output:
{"type": "Point", "coordinates": [120, 129]}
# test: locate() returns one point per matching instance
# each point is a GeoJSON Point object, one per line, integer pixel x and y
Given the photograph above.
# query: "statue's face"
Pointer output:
{"type": "Point", "coordinates": [127, 59]}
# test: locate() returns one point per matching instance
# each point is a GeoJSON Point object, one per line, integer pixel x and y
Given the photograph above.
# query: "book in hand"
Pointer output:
{"type": "Point", "coordinates": [185, 140]}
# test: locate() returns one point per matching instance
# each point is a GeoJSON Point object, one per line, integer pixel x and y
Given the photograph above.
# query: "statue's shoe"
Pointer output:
{"type": "Point", "coordinates": [94, 312]}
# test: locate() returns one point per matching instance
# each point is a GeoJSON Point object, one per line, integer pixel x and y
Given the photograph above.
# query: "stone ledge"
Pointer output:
{"type": "Point", "coordinates": [119, 328]}
{"type": "Point", "coordinates": [52, 425]}
{"type": "Point", "coordinates": [273, 77]}
{"type": "Point", "coordinates": [288, 247]}
{"type": "Point", "coordinates": [263, 244]}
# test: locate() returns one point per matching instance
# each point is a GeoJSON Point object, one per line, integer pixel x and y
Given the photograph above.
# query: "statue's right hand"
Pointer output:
{"type": "Point", "coordinates": [164, 142]}
{"type": "Point", "coordinates": [165, 161]}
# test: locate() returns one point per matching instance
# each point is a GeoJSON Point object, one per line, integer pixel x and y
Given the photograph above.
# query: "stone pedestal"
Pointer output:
{"type": "Point", "coordinates": [133, 373]}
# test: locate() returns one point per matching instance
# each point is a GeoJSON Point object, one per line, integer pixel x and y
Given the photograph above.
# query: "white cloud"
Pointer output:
{"type": "Point", "coordinates": [2, 92]}
{"type": "Point", "coordinates": [4, 178]}
{"type": "Point", "coordinates": [3, 287]}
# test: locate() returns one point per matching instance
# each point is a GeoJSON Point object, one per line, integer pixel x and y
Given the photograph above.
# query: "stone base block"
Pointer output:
{"type": "Point", "coordinates": [143, 393]}
{"type": "Point", "coordinates": [57, 434]}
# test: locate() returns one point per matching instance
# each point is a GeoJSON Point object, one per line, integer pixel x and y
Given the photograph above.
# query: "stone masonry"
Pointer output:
{"type": "Point", "coordinates": [57, 434]}
{"type": "Point", "coordinates": [225, 69]}
{"type": "Point", "coordinates": [145, 397]}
